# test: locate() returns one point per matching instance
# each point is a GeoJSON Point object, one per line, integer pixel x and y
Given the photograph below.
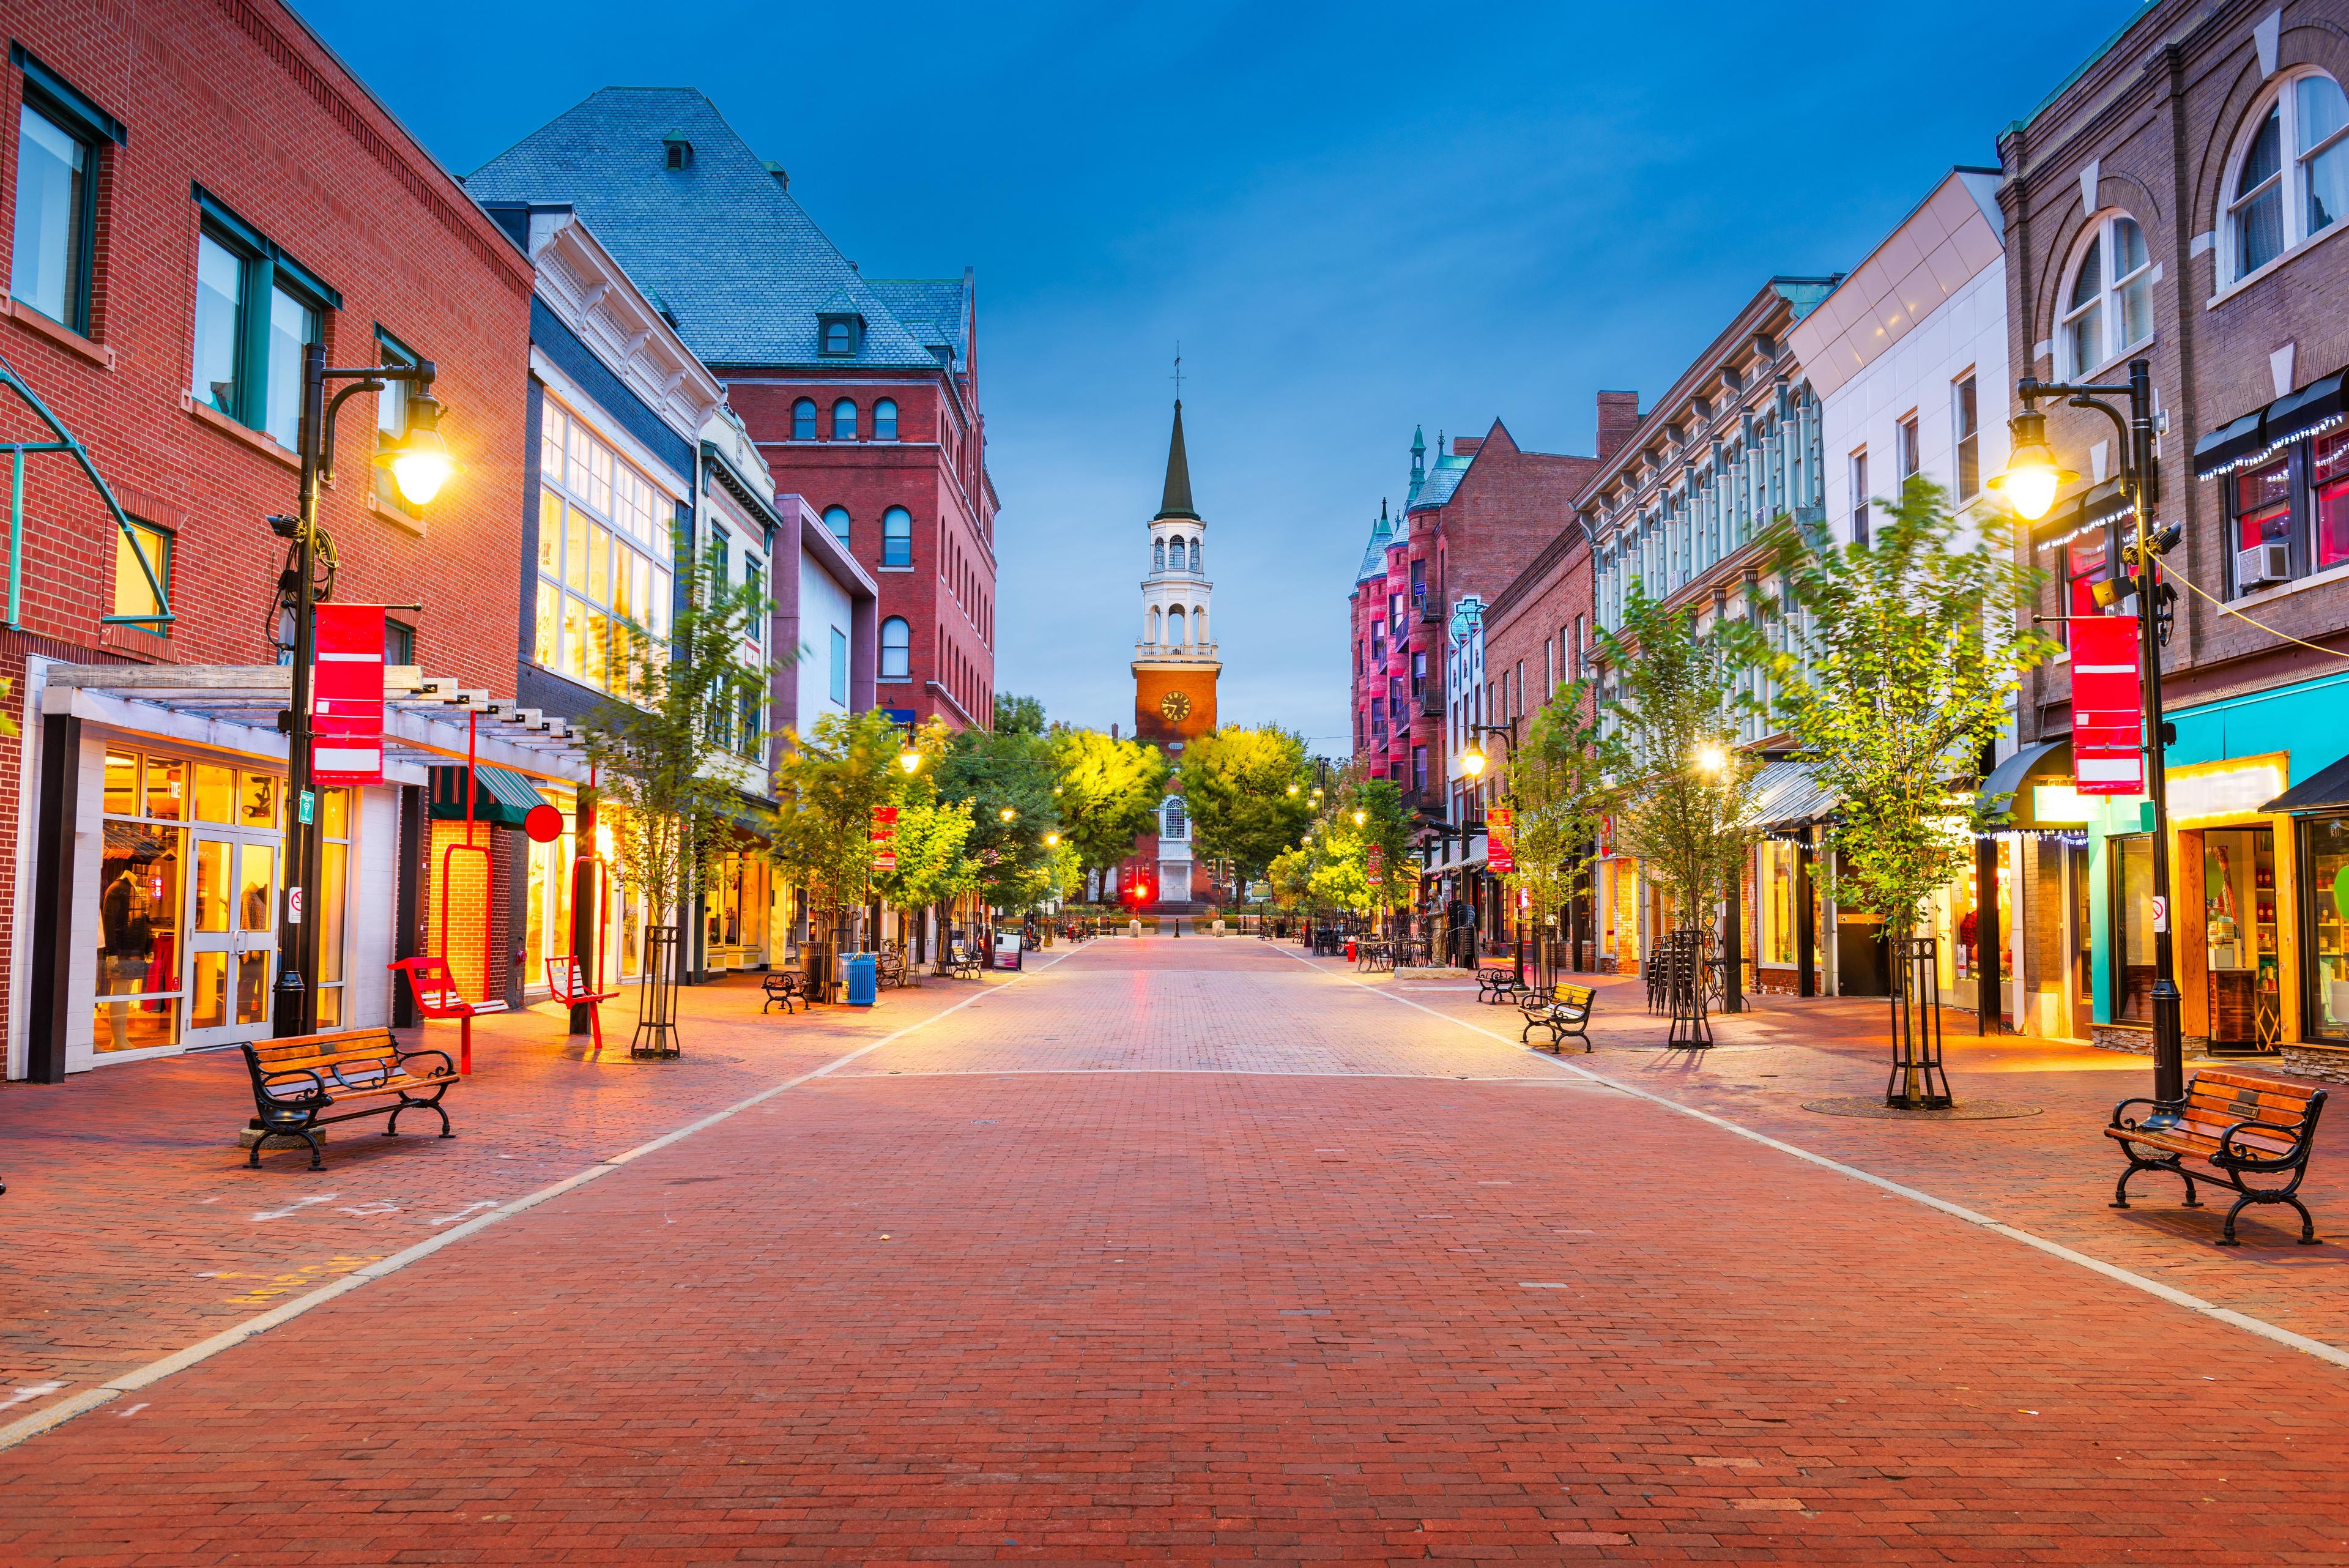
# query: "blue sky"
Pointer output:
{"type": "Point", "coordinates": [1356, 218]}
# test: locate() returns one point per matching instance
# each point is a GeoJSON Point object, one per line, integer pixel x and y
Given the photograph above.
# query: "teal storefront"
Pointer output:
{"type": "Point", "coordinates": [2259, 801]}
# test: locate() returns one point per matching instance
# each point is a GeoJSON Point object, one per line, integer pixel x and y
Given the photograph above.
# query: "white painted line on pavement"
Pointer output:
{"type": "Point", "coordinates": [51, 1416]}
{"type": "Point", "coordinates": [2170, 1293]}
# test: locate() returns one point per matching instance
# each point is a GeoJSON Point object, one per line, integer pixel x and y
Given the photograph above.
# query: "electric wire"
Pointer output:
{"type": "Point", "coordinates": [2225, 609]}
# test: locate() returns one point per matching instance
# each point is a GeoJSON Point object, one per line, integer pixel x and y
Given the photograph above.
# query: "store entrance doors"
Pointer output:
{"type": "Point", "coordinates": [232, 928]}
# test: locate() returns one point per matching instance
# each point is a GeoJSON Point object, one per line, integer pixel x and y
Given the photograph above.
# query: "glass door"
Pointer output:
{"type": "Point", "coordinates": [231, 937]}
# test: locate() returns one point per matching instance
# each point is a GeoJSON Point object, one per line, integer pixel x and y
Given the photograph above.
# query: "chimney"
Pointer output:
{"type": "Point", "coordinates": [1618, 416]}
{"type": "Point", "coordinates": [1465, 446]}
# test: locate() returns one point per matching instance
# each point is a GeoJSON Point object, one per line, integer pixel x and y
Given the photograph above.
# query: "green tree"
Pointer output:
{"type": "Point", "coordinates": [1560, 790]}
{"type": "Point", "coordinates": [1364, 813]}
{"type": "Point", "coordinates": [1245, 792]}
{"type": "Point", "coordinates": [826, 787]}
{"type": "Point", "coordinates": [664, 747]}
{"type": "Point", "coordinates": [1894, 674]}
{"type": "Point", "coordinates": [1672, 730]}
{"type": "Point", "coordinates": [995, 772]}
{"type": "Point", "coordinates": [1019, 715]}
{"type": "Point", "coordinates": [1108, 793]}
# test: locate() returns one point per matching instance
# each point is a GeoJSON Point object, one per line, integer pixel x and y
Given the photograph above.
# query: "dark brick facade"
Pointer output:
{"type": "Point", "coordinates": [237, 97]}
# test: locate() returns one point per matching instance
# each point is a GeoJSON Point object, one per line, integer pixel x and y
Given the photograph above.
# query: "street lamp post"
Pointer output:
{"type": "Point", "coordinates": [420, 466]}
{"type": "Point", "coordinates": [1472, 763]}
{"type": "Point", "coordinates": [2031, 482]}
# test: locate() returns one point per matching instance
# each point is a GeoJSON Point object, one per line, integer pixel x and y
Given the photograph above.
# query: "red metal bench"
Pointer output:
{"type": "Point", "coordinates": [437, 996]}
{"type": "Point", "coordinates": [566, 979]}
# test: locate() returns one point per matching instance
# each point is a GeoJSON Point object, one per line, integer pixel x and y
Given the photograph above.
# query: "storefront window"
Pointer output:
{"type": "Point", "coordinates": [2132, 858]}
{"type": "Point", "coordinates": [333, 880]}
{"type": "Point", "coordinates": [139, 901]}
{"type": "Point", "coordinates": [2331, 474]}
{"type": "Point", "coordinates": [2264, 503]}
{"type": "Point", "coordinates": [1777, 878]}
{"type": "Point", "coordinates": [2325, 926]}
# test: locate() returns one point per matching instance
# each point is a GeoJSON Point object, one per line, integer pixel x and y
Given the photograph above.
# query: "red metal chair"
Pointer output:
{"type": "Point", "coordinates": [437, 996]}
{"type": "Point", "coordinates": [566, 978]}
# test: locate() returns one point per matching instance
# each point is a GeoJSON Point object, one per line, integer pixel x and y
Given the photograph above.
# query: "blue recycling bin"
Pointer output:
{"type": "Point", "coordinates": [864, 987]}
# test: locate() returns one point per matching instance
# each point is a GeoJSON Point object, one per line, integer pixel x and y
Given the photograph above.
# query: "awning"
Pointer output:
{"type": "Point", "coordinates": [2327, 790]}
{"type": "Point", "coordinates": [505, 798]}
{"type": "Point", "coordinates": [2097, 505]}
{"type": "Point", "coordinates": [2006, 792]}
{"type": "Point", "coordinates": [2319, 405]}
{"type": "Point", "coordinates": [1787, 795]}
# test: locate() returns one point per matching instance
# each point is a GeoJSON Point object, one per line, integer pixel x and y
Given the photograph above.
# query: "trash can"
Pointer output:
{"type": "Point", "coordinates": [858, 970]}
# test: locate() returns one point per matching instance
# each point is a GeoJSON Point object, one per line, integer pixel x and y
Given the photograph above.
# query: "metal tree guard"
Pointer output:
{"type": "Point", "coordinates": [1917, 1082]}
{"type": "Point", "coordinates": [1685, 982]}
{"type": "Point", "coordinates": [657, 997]}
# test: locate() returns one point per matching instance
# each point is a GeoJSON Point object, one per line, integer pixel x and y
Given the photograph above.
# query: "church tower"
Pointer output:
{"type": "Point", "coordinates": [1175, 663]}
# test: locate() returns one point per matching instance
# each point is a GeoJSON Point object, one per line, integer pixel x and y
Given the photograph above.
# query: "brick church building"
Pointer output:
{"type": "Point", "coordinates": [861, 393]}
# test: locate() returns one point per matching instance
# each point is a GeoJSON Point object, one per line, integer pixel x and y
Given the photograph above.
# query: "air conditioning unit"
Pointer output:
{"type": "Point", "coordinates": [2267, 561]}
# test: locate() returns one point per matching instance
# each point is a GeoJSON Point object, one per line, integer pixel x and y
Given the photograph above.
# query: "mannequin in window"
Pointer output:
{"type": "Point", "coordinates": [127, 929]}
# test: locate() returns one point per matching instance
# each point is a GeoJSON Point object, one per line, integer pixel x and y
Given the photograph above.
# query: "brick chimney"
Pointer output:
{"type": "Point", "coordinates": [1462, 446]}
{"type": "Point", "coordinates": [1618, 416]}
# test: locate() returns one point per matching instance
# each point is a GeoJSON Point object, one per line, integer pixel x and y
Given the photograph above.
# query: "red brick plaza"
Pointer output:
{"type": "Point", "coordinates": [1165, 1251]}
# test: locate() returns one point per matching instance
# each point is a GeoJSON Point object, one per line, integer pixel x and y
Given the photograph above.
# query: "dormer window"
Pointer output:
{"type": "Point", "coordinates": [840, 334]}
{"type": "Point", "coordinates": [677, 151]}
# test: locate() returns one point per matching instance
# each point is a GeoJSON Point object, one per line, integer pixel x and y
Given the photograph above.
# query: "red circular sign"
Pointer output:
{"type": "Point", "coordinates": [543, 823]}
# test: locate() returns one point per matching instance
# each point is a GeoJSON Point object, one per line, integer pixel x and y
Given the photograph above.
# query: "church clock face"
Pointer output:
{"type": "Point", "coordinates": [1175, 706]}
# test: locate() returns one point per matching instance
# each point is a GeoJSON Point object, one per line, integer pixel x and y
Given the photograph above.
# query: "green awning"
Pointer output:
{"type": "Point", "coordinates": [505, 796]}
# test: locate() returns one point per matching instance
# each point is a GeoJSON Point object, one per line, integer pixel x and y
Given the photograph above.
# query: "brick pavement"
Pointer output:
{"type": "Point", "coordinates": [972, 1299]}
{"type": "Point", "coordinates": [134, 1227]}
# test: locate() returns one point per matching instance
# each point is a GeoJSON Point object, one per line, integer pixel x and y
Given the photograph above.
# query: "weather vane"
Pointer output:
{"type": "Point", "coordinates": [1178, 371]}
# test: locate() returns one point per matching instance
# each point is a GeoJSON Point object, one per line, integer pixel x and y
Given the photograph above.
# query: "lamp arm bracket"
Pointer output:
{"type": "Point", "coordinates": [326, 437]}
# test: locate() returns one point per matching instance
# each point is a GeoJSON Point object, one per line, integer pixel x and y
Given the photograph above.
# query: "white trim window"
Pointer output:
{"type": "Point", "coordinates": [2275, 203]}
{"type": "Point", "coordinates": [2108, 310]}
{"type": "Point", "coordinates": [603, 539]}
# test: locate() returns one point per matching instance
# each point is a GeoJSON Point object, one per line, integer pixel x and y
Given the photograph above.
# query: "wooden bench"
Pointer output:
{"type": "Point", "coordinates": [786, 986]}
{"type": "Point", "coordinates": [963, 964]}
{"type": "Point", "coordinates": [1496, 985]}
{"type": "Point", "coordinates": [2236, 1126]}
{"type": "Point", "coordinates": [889, 967]}
{"type": "Point", "coordinates": [1563, 1010]}
{"type": "Point", "coordinates": [566, 981]}
{"type": "Point", "coordinates": [437, 996]}
{"type": "Point", "coordinates": [295, 1081]}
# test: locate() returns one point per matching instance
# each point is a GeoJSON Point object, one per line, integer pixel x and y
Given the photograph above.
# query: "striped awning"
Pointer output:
{"type": "Point", "coordinates": [505, 796]}
{"type": "Point", "coordinates": [1787, 793]}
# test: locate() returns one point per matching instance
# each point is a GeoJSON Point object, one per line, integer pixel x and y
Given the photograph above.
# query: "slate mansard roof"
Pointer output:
{"type": "Point", "coordinates": [721, 242]}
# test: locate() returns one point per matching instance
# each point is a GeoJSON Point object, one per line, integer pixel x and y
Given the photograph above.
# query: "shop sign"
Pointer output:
{"type": "Point", "coordinates": [2108, 706]}
{"type": "Point", "coordinates": [1500, 840]}
{"type": "Point", "coordinates": [2237, 788]}
{"type": "Point", "coordinates": [346, 697]}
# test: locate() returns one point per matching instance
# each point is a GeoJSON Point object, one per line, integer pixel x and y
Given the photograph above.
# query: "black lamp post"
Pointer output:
{"type": "Point", "coordinates": [2031, 482]}
{"type": "Point", "coordinates": [419, 464]}
{"type": "Point", "coordinates": [1472, 763]}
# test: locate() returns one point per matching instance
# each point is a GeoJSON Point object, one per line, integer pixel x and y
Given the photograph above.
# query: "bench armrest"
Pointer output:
{"type": "Point", "coordinates": [2245, 1154]}
{"type": "Point", "coordinates": [2156, 1105]}
{"type": "Point", "coordinates": [404, 1057]}
{"type": "Point", "coordinates": [266, 1084]}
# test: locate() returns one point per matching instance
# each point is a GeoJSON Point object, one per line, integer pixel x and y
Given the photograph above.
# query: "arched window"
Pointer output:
{"type": "Point", "coordinates": [896, 649]}
{"type": "Point", "coordinates": [803, 420]}
{"type": "Point", "coordinates": [1175, 554]}
{"type": "Point", "coordinates": [1174, 627]}
{"type": "Point", "coordinates": [1157, 556]}
{"type": "Point", "coordinates": [1153, 622]}
{"type": "Point", "coordinates": [1199, 624]}
{"type": "Point", "coordinates": [2108, 309]}
{"type": "Point", "coordinates": [836, 519]}
{"type": "Point", "coordinates": [896, 537]}
{"type": "Point", "coordinates": [884, 419]}
{"type": "Point", "coordinates": [2291, 179]}
{"type": "Point", "coordinates": [844, 419]}
{"type": "Point", "coordinates": [1195, 543]}
{"type": "Point", "coordinates": [837, 337]}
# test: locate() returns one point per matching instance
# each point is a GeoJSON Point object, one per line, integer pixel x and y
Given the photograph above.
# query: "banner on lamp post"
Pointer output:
{"type": "Point", "coordinates": [2108, 706]}
{"type": "Point", "coordinates": [1500, 840]}
{"type": "Point", "coordinates": [1375, 862]}
{"type": "Point", "coordinates": [346, 697]}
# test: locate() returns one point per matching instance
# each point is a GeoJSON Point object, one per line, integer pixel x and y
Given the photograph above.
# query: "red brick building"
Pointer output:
{"type": "Point", "coordinates": [862, 393]}
{"type": "Point", "coordinates": [196, 190]}
{"type": "Point", "coordinates": [1470, 525]}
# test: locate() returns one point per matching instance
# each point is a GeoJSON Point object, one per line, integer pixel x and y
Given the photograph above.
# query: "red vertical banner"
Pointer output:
{"type": "Point", "coordinates": [2108, 706]}
{"type": "Point", "coordinates": [1500, 840]}
{"type": "Point", "coordinates": [885, 835]}
{"type": "Point", "coordinates": [1375, 865]}
{"type": "Point", "coordinates": [346, 692]}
